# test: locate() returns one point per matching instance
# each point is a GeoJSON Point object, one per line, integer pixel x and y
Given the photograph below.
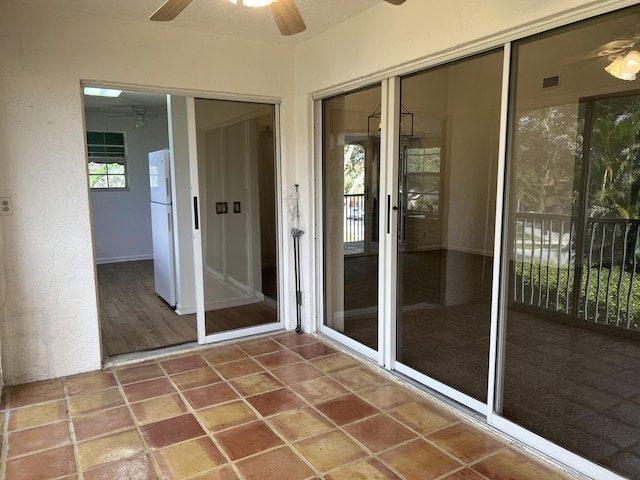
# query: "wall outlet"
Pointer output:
{"type": "Point", "coordinates": [6, 206]}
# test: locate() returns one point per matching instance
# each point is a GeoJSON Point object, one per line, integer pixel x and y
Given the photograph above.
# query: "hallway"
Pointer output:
{"type": "Point", "coordinates": [274, 407]}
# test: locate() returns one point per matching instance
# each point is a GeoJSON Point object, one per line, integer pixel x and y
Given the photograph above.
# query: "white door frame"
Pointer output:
{"type": "Point", "coordinates": [197, 235]}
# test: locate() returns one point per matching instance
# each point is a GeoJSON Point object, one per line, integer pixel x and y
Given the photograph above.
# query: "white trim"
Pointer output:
{"type": "Point", "coordinates": [187, 92]}
{"type": "Point", "coordinates": [129, 258]}
{"type": "Point", "coordinates": [282, 272]}
{"type": "Point", "coordinates": [243, 332]}
{"type": "Point", "coordinates": [388, 227]}
{"type": "Point", "coordinates": [440, 387]}
{"type": "Point", "coordinates": [185, 310]}
{"type": "Point", "coordinates": [496, 345]}
{"type": "Point", "coordinates": [198, 262]}
{"type": "Point", "coordinates": [349, 343]}
{"type": "Point", "coordinates": [318, 244]}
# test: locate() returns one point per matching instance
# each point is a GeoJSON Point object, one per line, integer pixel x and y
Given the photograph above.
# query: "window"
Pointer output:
{"type": "Point", "coordinates": [107, 160]}
{"type": "Point", "coordinates": [423, 181]}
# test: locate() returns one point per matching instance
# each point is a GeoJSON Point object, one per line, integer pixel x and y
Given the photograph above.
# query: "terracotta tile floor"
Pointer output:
{"type": "Point", "coordinates": [283, 407]}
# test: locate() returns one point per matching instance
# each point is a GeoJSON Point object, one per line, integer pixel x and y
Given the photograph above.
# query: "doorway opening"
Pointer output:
{"type": "Point", "coordinates": [135, 314]}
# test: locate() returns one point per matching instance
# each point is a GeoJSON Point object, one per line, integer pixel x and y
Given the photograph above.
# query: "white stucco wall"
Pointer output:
{"type": "Point", "coordinates": [49, 324]}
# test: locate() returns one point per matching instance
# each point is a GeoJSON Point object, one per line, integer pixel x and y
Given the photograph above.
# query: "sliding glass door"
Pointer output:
{"type": "Point", "coordinates": [237, 213]}
{"type": "Point", "coordinates": [351, 191]}
{"type": "Point", "coordinates": [449, 130]}
{"type": "Point", "coordinates": [438, 263]}
{"type": "Point", "coordinates": [572, 256]}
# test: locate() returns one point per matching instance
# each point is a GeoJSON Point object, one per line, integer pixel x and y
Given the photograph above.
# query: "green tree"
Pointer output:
{"type": "Point", "coordinates": [614, 158]}
{"type": "Point", "coordinates": [354, 168]}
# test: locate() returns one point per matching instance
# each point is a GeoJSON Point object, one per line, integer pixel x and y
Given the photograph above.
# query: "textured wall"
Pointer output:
{"type": "Point", "coordinates": [49, 322]}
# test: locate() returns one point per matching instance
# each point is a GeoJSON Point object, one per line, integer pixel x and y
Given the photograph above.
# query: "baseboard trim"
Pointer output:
{"type": "Point", "coordinates": [130, 258]}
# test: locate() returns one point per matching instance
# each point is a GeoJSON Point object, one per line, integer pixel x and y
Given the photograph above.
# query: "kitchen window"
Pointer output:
{"type": "Point", "coordinates": [106, 152]}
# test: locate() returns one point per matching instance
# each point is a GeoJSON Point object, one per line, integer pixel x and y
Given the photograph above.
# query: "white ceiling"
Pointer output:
{"type": "Point", "coordinates": [222, 17]}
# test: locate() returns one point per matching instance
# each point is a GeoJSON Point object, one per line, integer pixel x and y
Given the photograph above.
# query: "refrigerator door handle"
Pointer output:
{"type": "Point", "coordinates": [195, 213]}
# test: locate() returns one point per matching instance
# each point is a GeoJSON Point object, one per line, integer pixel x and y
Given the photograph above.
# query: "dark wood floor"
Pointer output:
{"type": "Point", "coordinates": [133, 318]}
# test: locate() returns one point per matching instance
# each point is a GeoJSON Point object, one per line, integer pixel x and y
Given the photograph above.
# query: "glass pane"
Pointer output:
{"type": "Point", "coordinates": [97, 168]}
{"type": "Point", "coordinates": [96, 138]}
{"type": "Point", "coordinates": [237, 180]}
{"type": "Point", "coordinates": [571, 318]}
{"type": "Point", "coordinates": [114, 138]}
{"type": "Point", "coordinates": [98, 181]}
{"type": "Point", "coordinates": [445, 261]}
{"type": "Point", "coordinates": [116, 168]}
{"type": "Point", "coordinates": [117, 181]}
{"type": "Point", "coordinates": [351, 152]}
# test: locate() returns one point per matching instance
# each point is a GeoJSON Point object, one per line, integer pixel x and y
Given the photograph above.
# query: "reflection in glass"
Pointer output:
{"type": "Point", "coordinates": [351, 168]}
{"type": "Point", "coordinates": [236, 166]}
{"type": "Point", "coordinates": [446, 186]}
{"type": "Point", "coordinates": [572, 348]}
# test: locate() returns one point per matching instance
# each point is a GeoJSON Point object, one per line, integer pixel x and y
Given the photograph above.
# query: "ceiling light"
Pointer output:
{"type": "Point", "coordinates": [102, 92]}
{"type": "Point", "coordinates": [625, 67]}
{"type": "Point", "coordinates": [254, 3]}
{"type": "Point", "coordinates": [632, 61]}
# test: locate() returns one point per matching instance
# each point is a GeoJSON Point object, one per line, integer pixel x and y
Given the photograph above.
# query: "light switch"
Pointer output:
{"type": "Point", "coordinates": [6, 206]}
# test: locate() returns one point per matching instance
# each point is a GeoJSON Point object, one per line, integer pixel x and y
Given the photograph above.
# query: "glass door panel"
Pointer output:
{"type": "Point", "coordinates": [571, 319]}
{"type": "Point", "coordinates": [351, 186]}
{"type": "Point", "coordinates": [446, 190]}
{"type": "Point", "coordinates": [238, 224]}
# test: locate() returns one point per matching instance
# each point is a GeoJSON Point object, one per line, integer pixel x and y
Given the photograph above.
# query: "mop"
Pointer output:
{"type": "Point", "coordinates": [296, 233]}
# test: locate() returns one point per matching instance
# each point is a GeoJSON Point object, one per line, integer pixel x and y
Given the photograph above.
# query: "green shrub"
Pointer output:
{"type": "Point", "coordinates": [545, 285]}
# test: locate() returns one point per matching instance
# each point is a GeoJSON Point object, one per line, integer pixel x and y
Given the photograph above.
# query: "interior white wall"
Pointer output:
{"type": "Point", "coordinates": [183, 217]}
{"type": "Point", "coordinates": [122, 219]}
{"type": "Point", "coordinates": [49, 321]}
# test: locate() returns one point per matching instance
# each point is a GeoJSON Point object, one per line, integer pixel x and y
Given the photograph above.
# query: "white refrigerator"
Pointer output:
{"type": "Point", "coordinates": [162, 225]}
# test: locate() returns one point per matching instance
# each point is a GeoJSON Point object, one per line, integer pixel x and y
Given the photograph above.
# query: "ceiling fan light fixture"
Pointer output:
{"type": "Point", "coordinates": [254, 3]}
{"type": "Point", "coordinates": [618, 69]}
{"type": "Point", "coordinates": [632, 62]}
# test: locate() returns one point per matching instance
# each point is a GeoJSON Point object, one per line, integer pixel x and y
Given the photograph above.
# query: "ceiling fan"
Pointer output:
{"type": "Point", "coordinates": [138, 112]}
{"type": "Point", "coordinates": [284, 12]}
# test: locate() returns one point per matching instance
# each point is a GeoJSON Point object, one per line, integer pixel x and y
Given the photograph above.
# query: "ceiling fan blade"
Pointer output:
{"type": "Point", "coordinates": [395, 2]}
{"type": "Point", "coordinates": [287, 17]}
{"type": "Point", "coordinates": [169, 10]}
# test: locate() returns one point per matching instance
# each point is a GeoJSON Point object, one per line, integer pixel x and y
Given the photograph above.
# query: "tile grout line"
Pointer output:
{"type": "Point", "coordinates": [70, 426]}
{"type": "Point", "coordinates": [313, 407]}
{"type": "Point", "coordinates": [194, 413]}
{"type": "Point", "coordinates": [134, 419]}
{"type": "Point", "coordinates": [265, 419]}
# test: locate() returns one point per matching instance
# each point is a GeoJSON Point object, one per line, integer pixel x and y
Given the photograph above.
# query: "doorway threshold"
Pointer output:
{"type": "Point", "coordinates": [134, 357]}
